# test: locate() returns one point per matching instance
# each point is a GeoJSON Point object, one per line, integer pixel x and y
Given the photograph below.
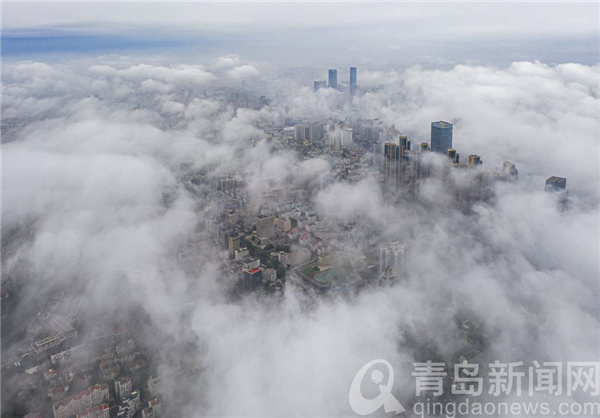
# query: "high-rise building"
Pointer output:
{"type": "Point", "coordinates": [346, 138]}
{"type": "Point", "coordinates": [241, 253]}
{"type": "Point", "coordinates": [404, 144]}
{"type": "Point", "coordinates": [319, 85]}
{"type": "Point", "coordinates": [556, 184]}
{"type": "Point", "coordinates": [333, 140]}
{"type": "Point", "coordinates": [352, 80]}
{"type": "Point", "coordinates": [395, 158]}
{"type": "Point", "coordinates": [391, 258]}
{"type": "Point", "coordinates": [391, 155]}
{"type": "Point", "coordinates": [97, 411]}
{"type": "Point", "coordinates": [154, 385]}
{"type": "Point", "coordinates": [129, 405]}
{"type": "Point", "coordinates": [474, 160]}
{"type": "Point", "coordinates": [441, 136]}
{"type": "Point", "coordinates": [123, 386]}
{"type": "Point", "coordinates": [315, 131]}
{"type": "Point", "coordinates": [264, 226]}
{"type": "Point", "coordinates": [154, 409]}
{"type": "Point", "coordinates": [251, 279]}
{"type": "Point", "coordinates": [333, 79]}
{"type": "Point", "coordinates": [233, 243]}
{"type": "Point", "coordinates": [299, 133]}
{"type": "Point", "coordinates": [72, 405]}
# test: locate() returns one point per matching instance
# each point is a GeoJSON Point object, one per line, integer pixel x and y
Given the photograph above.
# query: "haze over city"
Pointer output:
{"type": "Point", "coordinates": [228, 209]}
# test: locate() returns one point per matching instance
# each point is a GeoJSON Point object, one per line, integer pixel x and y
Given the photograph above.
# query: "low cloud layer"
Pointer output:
{"type": "Point", "coordinates": [93, 199]}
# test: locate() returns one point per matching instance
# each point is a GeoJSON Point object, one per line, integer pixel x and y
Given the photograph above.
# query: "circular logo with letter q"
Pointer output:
{"type": "Point", "coordinates": [364, 406]}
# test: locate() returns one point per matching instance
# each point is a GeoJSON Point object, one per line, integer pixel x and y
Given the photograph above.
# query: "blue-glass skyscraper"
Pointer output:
{"type": "Point", "coordinates": [441, 136]}
{"type": "Point", "coordinates": [352, 80]}
{"type": "Point", "coordinates": [333, 79]}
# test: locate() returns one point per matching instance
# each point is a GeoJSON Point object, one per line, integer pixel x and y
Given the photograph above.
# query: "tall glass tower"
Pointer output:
{"type": "Point", "coordinates": [441, 136]}
{"type": "Point", "coordinates": [352, 80]}
{"type": "Point", "coordinates": [333, 79]}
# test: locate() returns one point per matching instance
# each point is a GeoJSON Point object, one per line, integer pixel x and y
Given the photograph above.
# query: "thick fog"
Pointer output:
{"type": "Point", "coordinates": [93, 203]}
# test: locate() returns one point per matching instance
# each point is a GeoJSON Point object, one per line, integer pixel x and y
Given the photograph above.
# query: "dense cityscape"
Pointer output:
{"type": "Point", "coordinates": [299, 210]}
{"type": "Point", "coordinates": [263, 243]}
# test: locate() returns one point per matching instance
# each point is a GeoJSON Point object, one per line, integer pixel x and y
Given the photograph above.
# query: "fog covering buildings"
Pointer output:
{"type": "Point", "coordinates": [154, 206]}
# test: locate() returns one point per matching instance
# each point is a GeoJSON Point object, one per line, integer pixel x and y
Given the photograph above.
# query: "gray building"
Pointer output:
{"type": "Point", "coordinates": [63, 336]}
{"type": "Point", "coordinates": [391, 259]}
{"type": "Point", "coordinates": [441, 136]}
{"type": "Point", "coordinates": [352, 80]}
{"type": "Point", "coordinates": [556, 184]}
{"type": "Point", "coordinates": [333, 79]}
{"type": "Point", "coordinates": [264, 226]}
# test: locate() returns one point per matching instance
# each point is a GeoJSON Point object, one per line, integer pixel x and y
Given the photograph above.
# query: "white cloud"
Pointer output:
{"type": "Point", "coordinates": [92, 191]}
{"type": "Point", "coordinates": [243, 72]}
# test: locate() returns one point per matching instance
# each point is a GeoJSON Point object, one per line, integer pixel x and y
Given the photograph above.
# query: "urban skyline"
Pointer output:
{"type": "Point", "coordinates": [301, 209]}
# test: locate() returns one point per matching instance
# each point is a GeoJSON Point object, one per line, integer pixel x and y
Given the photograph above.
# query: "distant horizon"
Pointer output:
{"type": "Point", "coordinates": [377, 35]}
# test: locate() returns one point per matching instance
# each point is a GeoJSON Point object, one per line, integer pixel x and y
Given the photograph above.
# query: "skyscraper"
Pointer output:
{"type": "Point", "coordinates": [395, 159]}
{"type": "Point", "coordinates": [299, 133]}
{"type": "Point", "coordinates": [319, 85]}
{"type": "Point", "coordinates": [391, 155]}
{"type": "Point", "coordinates": [556, 184]}
{"type": "Point", "coordinates": [441, 136]}
{"type": "Point", "coordinates": [315, 131]}
{"type": "Point", "coordinates": [352, 80]}
{"type": "Point", "coordinates": [346, 138]}
{"type": "Point", "coordinates": [333, 79]}
{"type": "Point", "coordinates": [391, 259]}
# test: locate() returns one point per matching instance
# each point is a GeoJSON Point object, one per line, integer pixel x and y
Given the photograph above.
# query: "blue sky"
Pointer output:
{"type": "Point", "coordinates": [370, 34]}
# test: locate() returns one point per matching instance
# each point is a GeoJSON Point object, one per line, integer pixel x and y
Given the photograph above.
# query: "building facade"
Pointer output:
{"type": "Point", "coordinates": [333, 79]}
{"type": "Point", "coordinates": [391, 258]}
{"type": "Point", "coordinates": [264, 226]}
{"type": "Point", "coordinates": [123, 386]}
{"type": "Point", "coordinates": [74, 404]}
{"type": "Point", "coordinates": [97, 411]}
{"type": "Point", "coordinates": [441, 136]}
{"type": "Point", "coordinates": [352, 81]}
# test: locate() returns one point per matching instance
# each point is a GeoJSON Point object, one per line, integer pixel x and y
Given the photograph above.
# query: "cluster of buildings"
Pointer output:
{"type": "Point", "coordinates": [265, 240]}
{"type": "Point", "coordinates": [278, 240]}
{"type": "Point", "coordinates": [332, 81]}
{"type": "Point", "coordinates": [93, 402]}
{"type": "Point", "coordinates": [404, 167]}
{"type": "Point", "coordinates": [336, 135]}
{"type": "Point", "coordinates": [62, 335]}
{"type": "Point", "coordinates": [88, 403]}
{"type": "Point", "coordinates": [91, 380]}
{"type": "Point", "coordinates": [265, 247]}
